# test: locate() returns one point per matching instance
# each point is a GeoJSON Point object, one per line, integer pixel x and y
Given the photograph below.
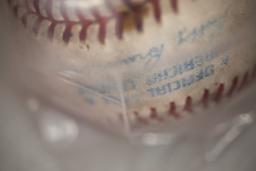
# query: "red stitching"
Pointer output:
{"type": "Point", "coordinates": [172, 111]}
{"type": "Point", "coordinates": [233, 86]}
{"type": "Point", "coordinates": [205, 98]}
{"type": "Point", "coordinates": [135, 10]}
{"type": "Point", "coordinates": [157, 10]}
{"type": "Point", "coordinates": [174, 4]}
{"type": "Point", "coordinates": [188, 104]}
{"type": "Point", "coordinates": [102, 26]}
{"type": "Point", "coordinates": [217, 96]}
{"type": "Point", "coordinates": [154, 115]}
{"type": "Point", "coordinates": [219, 93]}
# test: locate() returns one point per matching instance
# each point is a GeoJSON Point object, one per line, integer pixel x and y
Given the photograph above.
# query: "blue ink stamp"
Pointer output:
{"type": "Point", "coordinates": [181, 83]}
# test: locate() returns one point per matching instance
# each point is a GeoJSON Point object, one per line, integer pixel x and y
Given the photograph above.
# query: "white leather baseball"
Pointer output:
{"type": "Point", "coordinates": [139, 62]}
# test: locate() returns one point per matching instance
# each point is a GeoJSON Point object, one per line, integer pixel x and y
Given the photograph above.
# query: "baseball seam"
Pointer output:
{"type": "Point", "coordinates": [135, 10]}
{"type": "Point", "coordinates": [208, 96]}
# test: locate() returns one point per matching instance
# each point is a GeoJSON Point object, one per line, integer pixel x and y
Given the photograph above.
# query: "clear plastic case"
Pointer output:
{"type": "Point", "coordinates": [146, 70]}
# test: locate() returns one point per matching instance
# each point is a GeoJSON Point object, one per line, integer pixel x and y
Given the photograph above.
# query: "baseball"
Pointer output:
{"type": "Point", "coordinates": [130, 62]}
